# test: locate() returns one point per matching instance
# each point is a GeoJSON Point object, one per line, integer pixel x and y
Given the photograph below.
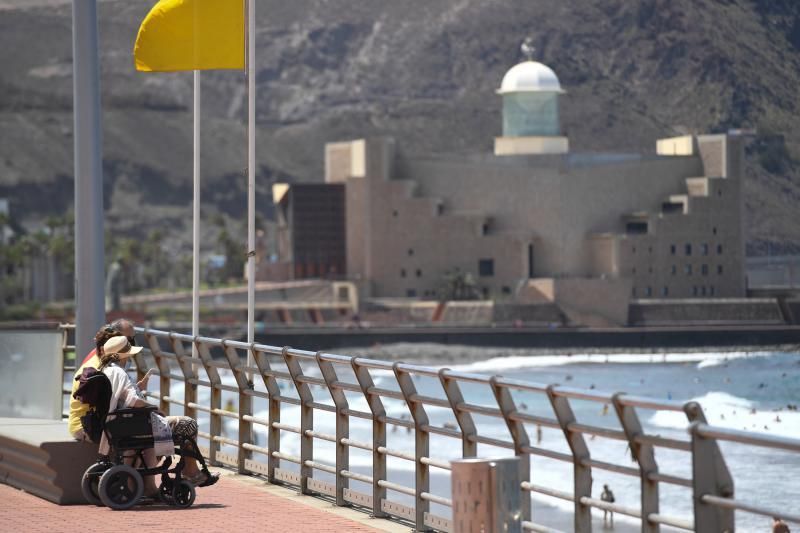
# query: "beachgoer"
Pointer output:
{"type": "Point", "coordinates": [779, 526]}
{"type": "Point", "coordinates": [123, 327]}
{"type": "Point", "coordinates": [607, 496]}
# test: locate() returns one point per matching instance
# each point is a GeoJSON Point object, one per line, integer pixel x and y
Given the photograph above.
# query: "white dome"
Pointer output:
{"type": "Point", "coordinates": [530, 76]}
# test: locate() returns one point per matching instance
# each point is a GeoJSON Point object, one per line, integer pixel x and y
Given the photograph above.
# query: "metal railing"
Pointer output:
{"type": "Point", "coordinates": [307, 373]}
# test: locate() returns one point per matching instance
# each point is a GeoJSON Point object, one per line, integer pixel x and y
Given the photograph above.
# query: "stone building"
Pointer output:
{"type": "Point", "coordinates": [536, 222]}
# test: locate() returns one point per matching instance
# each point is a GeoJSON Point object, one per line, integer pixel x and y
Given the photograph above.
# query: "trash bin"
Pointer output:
{"type": "Point", "coordinates": [486, 495]}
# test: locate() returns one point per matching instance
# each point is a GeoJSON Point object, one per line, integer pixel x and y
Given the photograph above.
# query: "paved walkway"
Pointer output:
{"type": "Point", "coordinates": [235, 503]}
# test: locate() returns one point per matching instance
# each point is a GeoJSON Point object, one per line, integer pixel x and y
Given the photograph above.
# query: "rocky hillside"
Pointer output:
{"type": "Point", "coordinates": [423, 71]}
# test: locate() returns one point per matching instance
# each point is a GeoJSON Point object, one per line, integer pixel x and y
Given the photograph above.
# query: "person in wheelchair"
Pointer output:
{"type": "Point", "coordinates": [114, 361]}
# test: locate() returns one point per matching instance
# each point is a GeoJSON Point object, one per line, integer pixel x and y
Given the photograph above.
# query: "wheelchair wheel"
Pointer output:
{"type": "Point", "coordinates": [183, 494]}
{"type": "Point", "coordinates": [91, 481]}
{"type": "Point", "coordinates": [120, 487]}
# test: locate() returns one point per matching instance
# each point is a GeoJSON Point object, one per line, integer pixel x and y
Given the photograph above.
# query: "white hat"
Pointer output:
{"type": "Point", "coordinates": [120, 346]}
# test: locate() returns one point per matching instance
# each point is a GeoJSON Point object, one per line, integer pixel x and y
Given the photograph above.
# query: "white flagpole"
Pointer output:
{"type": "Point", "coordinates": [251, 174]}
{"type": "Point", "coordinates": [196, 216]}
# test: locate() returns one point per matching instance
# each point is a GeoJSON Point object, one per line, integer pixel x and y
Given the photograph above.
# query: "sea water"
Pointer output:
{"type": "Point", "coordinates": [744, 391]}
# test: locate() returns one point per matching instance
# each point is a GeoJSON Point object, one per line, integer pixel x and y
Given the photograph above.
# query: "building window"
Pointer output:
{"type": "Point", "coordinates": [394, 213]}
{"type": "Point", "coordinates": [694, 290]}
{"type": "Point", "coordinates": [687, 270]}
{"type": "Point", "coordinates": [719, 269]}
{"type": "Point", "coordinates": [719, 192]}
{"type": "Point", "coordinates": [410, 251]}
{"type": "Point", "coordinates": [419, 273]}
{"type": "Point", "coordinates": [411, 293]}
{"type": "Point", "coordinates": [672, 249]}
{"type": "Point", "coordinates": [439, 208]}
{"type": "Point", "coordinates": [633, 292]}
{"type": "Point", "coordinates": [711, 290]}
{"type": "Point", "coordinates": [486, 268]}
{"type": "Point", "coordinates": [719, 249]}
{"type": "Point", "coordinates": [664, 291]}
{"type": "Point", "coordinates": [402, 272]}
{"type": "Point", "coordinates": [703, 290]}
{"type": "Point", "coordinates": [648, 291]}
{"type": "Point", "coordinates": [485, 228]}
{"type": "Point", "coordinates": [714, 230]}
{"type": "Point", "coordinates": [674, 269]}
{"type": "Point", "coordinates": [506, 289]}
{"type": "Point", "coordinates": [688, 249]}
{"type": "Point", "coordinates": [704, 270]}
{"type": "Point", "coordinates": [704, 249]}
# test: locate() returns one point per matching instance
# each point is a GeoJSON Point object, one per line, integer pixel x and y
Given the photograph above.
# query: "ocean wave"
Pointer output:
{"type": "Point", "coordinates": [733, 412]}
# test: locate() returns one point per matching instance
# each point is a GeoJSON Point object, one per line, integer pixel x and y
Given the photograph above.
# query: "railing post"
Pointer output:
{"type": "Point", "coordinates": [421, 445]}
{"type": "Point", "coordinates": [187, 366]}
{"type": "Point", "coordinates": [215, 401]}
{"type": "Point", "coordinates": [245, 405]}
{"type": "Point", "coordinates": [342, 426]}
{"type": "Point", "coordinates": [469, 447]}
{"type": "Point", "coordinates": [274, 411]}
{"type": "Point", "coordinates": [306, 419]}
{"type": "Point", "coordinates": [520, 437]}
{"type": "Point", "coordinates": [164, 371]}
{"type": "Point", "coordinates": [645, 457]}
{"type": "Point", "coordinates": [582, 473]}
{"type": "Point", "coordinates": [378, 436]}
{"type": "Point", "coordinates": [710, 475]}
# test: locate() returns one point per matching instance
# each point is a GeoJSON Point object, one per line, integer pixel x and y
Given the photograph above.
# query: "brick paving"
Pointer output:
{"type": "Point", "coordinates": [231, 506]}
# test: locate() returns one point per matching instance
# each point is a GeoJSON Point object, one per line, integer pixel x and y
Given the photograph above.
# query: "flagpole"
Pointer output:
{"type": "Point", "coordinates": [196, 216]}
{"type": "Point", "coordinates": [251, 174]}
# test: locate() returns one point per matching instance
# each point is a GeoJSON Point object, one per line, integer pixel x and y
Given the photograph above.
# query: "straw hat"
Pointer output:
{"type": "Point", "coordinates": [121, 347]}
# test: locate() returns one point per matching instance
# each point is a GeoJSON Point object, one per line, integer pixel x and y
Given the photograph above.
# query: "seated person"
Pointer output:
{"type": "Point", "coordinates": [77, 409]}
{"type": "Point", "coordinates": [115, 359]}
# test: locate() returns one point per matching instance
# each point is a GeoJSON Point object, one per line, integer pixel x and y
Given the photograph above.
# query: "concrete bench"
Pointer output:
{"type": "Point", "coordinates": [40, 457]}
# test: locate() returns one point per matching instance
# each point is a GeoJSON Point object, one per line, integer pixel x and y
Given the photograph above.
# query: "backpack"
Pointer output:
{"type": "Point", "coordinates": [94, 390]}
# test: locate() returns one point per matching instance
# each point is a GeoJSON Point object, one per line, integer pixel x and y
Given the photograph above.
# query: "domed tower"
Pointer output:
{"type": "Point", "coordinates": [531, 125]}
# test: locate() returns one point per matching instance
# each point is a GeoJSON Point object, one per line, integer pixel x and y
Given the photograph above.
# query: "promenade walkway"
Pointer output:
{"type": "Point", "coordinates": [235, 503]}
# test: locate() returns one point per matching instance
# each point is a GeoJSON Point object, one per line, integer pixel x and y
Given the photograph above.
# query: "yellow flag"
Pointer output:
{"type": "Point", "coordinates": [191, 35]}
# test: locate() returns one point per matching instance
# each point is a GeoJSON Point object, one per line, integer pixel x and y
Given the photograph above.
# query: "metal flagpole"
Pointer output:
{"type": "Point", "coordinates": [196, 216]}
{"type": "Point", "coordinates": [89, 249]}
{"type": "Point", "coordinates": [251, 174]}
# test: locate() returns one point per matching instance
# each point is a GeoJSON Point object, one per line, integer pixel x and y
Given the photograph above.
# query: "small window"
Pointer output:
{"type": "Point", "coordinates": [633, 292]}
{"type": "Point", "coordinates": [411, 293]}
{"type": "Point", "coordinates": [694, 290]}
{"type": "Point", "coordinates": [714, 230]}
{"type": "Point", "coordinates": [703, 290]}
{"type": "Point", "coordinates": [687, 269]}
{"type": "Point", "coordinates": [719, 269]}
{"type": "Point", "coordinates": [410, 251]}
{"type": "Point", "coordinates": [664, 291]}
{"type": "Point", "coordinates": [704, 270]}
{"type": "Point", "coordinates": [688, 249]}
{"type": "Point", "coordinates": [485, 228]}
{"type": "Point", "coordinates": [402, 272]}
{"type": "Point", "coordinates": [395, 213]}
{"type": "Point", "coordinates": [719, 192]}
{"type": "Point", "coordinates": [704, 249]}
{"type": "Point", "coordinates": [672, 249]}
{"type": "Point", "coordinates": [439, 208]}
{"type": "Point", "coordinates": [506, 289]}
{"type": "Point", "coordinates": [486, 268]}
{"type": "Point", "coordinates": [711, 290]}
{"type": "Point", "coordinates": [719, 249]}
{"type": "Point", "coordinates": [648, 291]}
{"type": "Point", "coordinates": [674, 269]}
{"type": "Point", "coordinates": [419, 273]}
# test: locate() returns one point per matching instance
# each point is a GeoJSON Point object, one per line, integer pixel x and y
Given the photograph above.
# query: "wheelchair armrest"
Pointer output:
{"type": "Point", "coordinates": [134, 410]}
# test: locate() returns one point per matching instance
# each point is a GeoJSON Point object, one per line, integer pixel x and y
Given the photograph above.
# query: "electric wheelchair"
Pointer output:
{"type": "Point", "coordinates": [120, 486]}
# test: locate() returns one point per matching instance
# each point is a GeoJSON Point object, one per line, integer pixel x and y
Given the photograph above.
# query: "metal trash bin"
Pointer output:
{"type": "Point", "coordinates": [486, 495]}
